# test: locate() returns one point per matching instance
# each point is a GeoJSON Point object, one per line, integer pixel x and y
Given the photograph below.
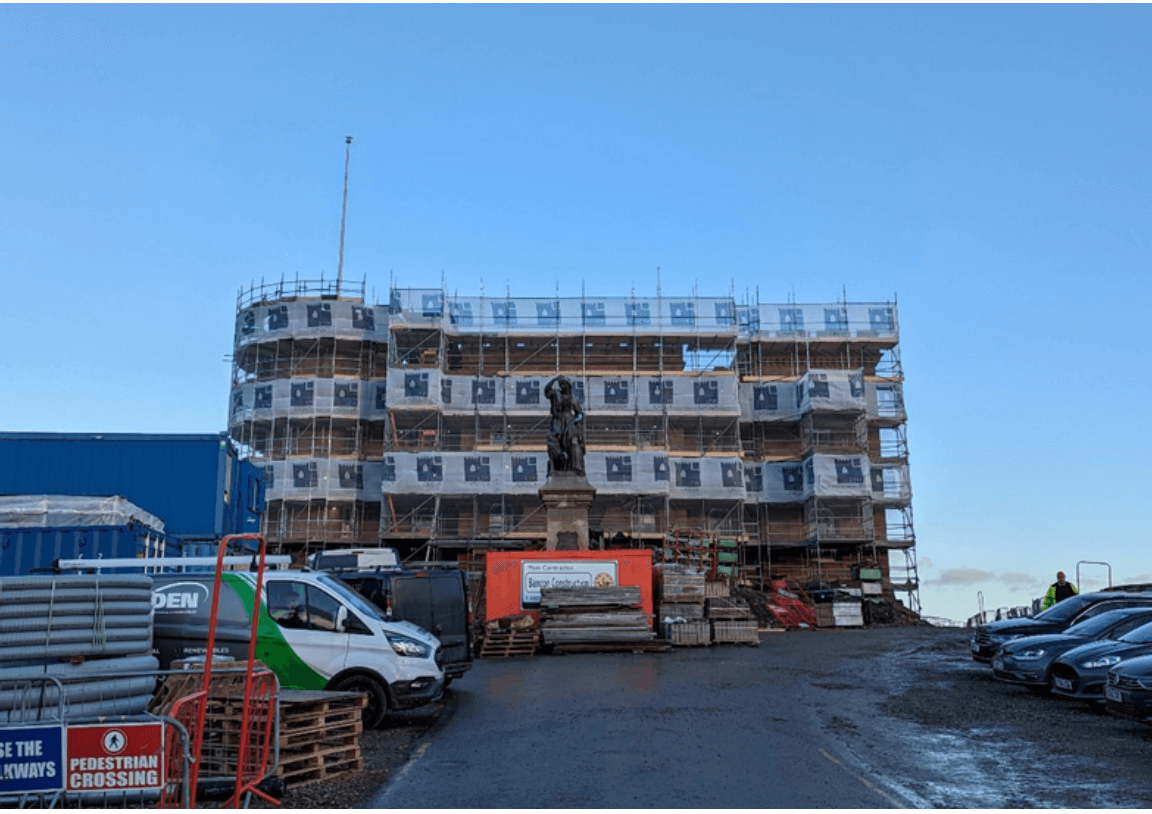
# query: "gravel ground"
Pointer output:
{"type": "Point", "coordinates": [384, 750]}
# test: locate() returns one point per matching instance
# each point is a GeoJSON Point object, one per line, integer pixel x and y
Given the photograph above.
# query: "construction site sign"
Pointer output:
{"type": "Point", "coordinates": [116, 757]}
{"type": "Point", "coordinates": [30, 759]}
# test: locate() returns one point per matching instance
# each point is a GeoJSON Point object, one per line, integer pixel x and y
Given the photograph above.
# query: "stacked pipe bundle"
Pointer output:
{"type": "Point", "coordinates": [92, 633]}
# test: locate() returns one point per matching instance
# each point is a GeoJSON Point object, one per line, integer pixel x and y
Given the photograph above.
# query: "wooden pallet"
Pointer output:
{"type": "Point", "coordinates": [727, 608]}
{"type": "Point", "coordinates": [507, 644]}
{"type": "Point", "coordinates": [717, 587]}
{"type": "Point", "coordinates": [319, 731]}
{"type": "Point", "coordinates": [689, 610]}
{"type": "Point", "coordinates": [321, 765]}
{"type": "Point", "coordinates": [695, 633]}
{"type": "Point", "coordinates": [736, 632]}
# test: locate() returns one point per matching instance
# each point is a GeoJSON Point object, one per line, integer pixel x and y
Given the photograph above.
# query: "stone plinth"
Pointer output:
{"type": "Point", "coordinates": [567, 497]}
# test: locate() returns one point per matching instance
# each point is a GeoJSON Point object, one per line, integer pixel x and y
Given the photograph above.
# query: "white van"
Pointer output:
{"type": "Point", "coordinates": [314, 632]}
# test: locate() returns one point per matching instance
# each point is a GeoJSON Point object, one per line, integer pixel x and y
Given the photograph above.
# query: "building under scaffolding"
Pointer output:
{"type": "Point", "coordinates": [421, 424]}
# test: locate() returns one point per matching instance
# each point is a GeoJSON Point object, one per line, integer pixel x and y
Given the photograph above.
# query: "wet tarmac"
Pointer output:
{"type": "Point", "coordinates": [898, 717]}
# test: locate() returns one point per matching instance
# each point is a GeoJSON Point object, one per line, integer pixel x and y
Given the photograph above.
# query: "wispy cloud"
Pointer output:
{"type": "Point", "coordinates": [975, 577]}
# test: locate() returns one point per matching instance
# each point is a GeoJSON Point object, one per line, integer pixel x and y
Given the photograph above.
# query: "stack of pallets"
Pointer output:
{"type": "Point", "coordinates": [319, 731]}
{"type": "Point", "coordinates": [507, 643]}
{"type": "Point", "coordinates": [610, 617]}
{"type": "Point", "coordinates": [732, 620]}
{"type": "Point", "coordinates": [319, 735]}
{"type": "Point", "coordinates": [681, 590]}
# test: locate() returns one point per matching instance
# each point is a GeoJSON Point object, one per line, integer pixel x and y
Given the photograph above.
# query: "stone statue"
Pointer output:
{"type": "Point", "coordinates": [566, 431]}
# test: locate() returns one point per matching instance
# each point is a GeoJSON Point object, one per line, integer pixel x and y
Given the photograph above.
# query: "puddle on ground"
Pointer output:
{"type": "Point", "coordinates": [985, 769]}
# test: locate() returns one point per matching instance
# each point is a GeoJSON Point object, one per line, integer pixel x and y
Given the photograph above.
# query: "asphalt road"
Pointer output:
{"type": "Point", "coordinates": [895, 717]}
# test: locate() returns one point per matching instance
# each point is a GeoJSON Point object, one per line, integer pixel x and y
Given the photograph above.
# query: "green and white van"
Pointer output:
{"type": "Point", "coordinates": [314, 632]}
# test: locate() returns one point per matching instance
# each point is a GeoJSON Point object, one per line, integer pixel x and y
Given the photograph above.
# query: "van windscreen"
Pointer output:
{"type": "Point", "coordinates": [351, 597]}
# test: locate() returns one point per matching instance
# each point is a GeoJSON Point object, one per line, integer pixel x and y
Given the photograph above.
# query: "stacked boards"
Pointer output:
{"type": "Point", "coordinates": [594, 616]}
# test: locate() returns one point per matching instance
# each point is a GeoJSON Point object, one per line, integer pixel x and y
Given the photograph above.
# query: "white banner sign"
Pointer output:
{"type": "Point", "coordinates": [538, 574]}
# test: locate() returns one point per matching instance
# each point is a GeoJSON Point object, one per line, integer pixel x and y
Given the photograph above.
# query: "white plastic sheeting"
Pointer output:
{"type": "Point", "coordinates": [827, 320]}
{"type": "Point", "coordinates": [789, 399]}
{"type": "Point", "coordinates": [414, 387]}
{"type": "Point", "coordinates": [815, 476]}
{"type": "Point", "coordinates": [59, 511]}
{"type": "Point", "coordinates": [656, 473]}
{"type": "Point", "coordinates": [309, 318]}
{"type": "Point", "coordinates": [599, 394]}
{"type": "Point", "coordinates": [641, 315]}
{"type": "Point", "coordinates": [826, 476]}
{"type": "Point", "coordinates": [350, 398]}
{"type": "Point", "coordinates": [464, 473]}
{"type": "Point", "coordinates": [565, 315]}
{"type": "Point", "coordinates": [303, 479]}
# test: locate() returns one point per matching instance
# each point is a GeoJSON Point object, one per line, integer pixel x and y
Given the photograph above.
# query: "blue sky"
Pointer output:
{"type": "Point", "coordinates": [987, 165]}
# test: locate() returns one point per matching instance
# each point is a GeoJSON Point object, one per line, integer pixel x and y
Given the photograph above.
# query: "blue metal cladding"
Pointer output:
{"type": "Point", "coordinates": [24, 550]}
{"type": "Point", "coordinates": [195, 483]}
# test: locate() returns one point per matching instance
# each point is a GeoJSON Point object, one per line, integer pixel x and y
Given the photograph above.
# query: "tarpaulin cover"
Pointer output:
{"type": "Point", "coordinates": [349, 398]}
{"type": "Point", "coordinates": [640, 315]}
{"type": "Point", "coordinates": [464, 473]}
{"type": "Point", "coordinates": [58, 511]}
{"type": "Point", "coordinates": [789, 399]}
{"type": "Point", "coordinates": [310, 318]}
{"type": "Point", "coordinates": [302, 479]}
{"type": "Point", "coordinates": [703, 393]}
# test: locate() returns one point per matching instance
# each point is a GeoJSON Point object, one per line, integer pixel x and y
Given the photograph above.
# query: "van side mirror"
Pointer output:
{"type": "Point", "coordinates": [341, 619]}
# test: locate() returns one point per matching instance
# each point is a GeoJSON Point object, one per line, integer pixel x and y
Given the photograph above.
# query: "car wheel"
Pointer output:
{"type": "Point", "coordinates": [377, 707]}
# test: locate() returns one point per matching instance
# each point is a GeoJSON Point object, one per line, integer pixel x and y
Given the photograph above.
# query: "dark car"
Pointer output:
{"type": "Point", "coordinates": [1128, 692]}
{"type": "Point", "coordinates": [1082, 672]}
{"type": "Point", "coordinates": [434, 599]}
{"type": "Point", "coordinates": [991, 637]}
{"type": "Point", "coordinates": [1028, 659]}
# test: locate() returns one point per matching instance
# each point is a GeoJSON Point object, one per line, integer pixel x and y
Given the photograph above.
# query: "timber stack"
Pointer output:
{"type": "Point", "coordinates": [681, 591]}
{"type": "Point", "coordinates": [611, 615]}
{"type": "Point", "coordinates": [732, 620]}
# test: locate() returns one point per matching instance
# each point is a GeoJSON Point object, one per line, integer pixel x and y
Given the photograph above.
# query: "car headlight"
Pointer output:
{"type": "Point", "coordinates": [411, 648]}
{"type": "Point", "coordinates": [1103, 661]}
{"type": "Point", "coordinates": [1029, 655]}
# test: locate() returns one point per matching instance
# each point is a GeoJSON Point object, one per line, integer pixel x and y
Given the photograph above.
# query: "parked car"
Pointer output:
{"type": "Point", "coordinates": [1128, 692]}
{"type": "Point", "coordinates": [989, 638]}
{"type": "Point", "coordinates": [1082, 672]}
{"type": "Point", "coordinates": [1028, 659]}
{"type": "Point", "coordinates": [435, 598]}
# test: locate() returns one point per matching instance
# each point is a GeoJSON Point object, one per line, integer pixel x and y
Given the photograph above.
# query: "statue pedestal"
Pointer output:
{"type": "Point", "coordinates": [567, 497]}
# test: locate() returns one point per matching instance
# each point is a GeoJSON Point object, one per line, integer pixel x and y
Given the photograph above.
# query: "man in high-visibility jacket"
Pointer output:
{"type": "Point", "coordinates": [1059, 590]}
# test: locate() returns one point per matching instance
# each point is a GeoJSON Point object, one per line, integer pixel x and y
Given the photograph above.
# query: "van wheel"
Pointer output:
{"type": "Point", "coordinates": [377, 708]}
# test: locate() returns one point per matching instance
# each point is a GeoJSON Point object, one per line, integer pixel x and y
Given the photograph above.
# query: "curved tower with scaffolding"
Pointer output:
{"type": "Point", "coordinates": [308, 405]}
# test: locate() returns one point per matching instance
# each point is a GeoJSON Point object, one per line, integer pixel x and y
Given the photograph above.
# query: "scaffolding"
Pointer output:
{"type": "Point", "coordinates": [422, 423]}
{"type": "Point", "coordinates": [309, 371]}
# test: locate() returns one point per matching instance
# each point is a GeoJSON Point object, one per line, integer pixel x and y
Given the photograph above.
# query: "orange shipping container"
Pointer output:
{"type": "Point", "coordinates": [514, 579]}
